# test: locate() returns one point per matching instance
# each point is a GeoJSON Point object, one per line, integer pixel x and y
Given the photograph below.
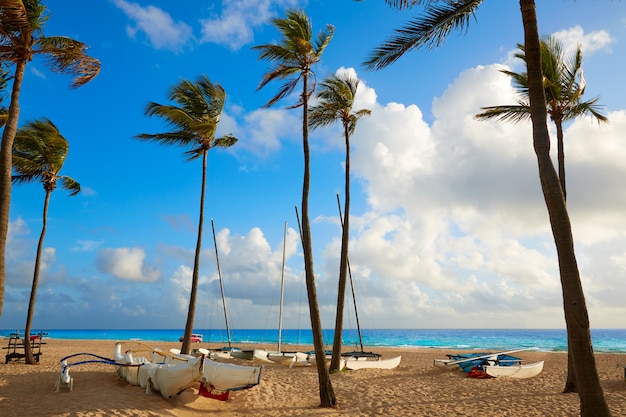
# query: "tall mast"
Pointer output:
{"type": "Point", "coordinates": [282, 290]}
{"type": "Point", "coordinates": [356, 313]}
{"type": "Point", "coordinates": [219, 273]}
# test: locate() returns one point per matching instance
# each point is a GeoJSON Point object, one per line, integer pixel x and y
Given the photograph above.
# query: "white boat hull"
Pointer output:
{"type": "Point", "coordinates": [446, 365]}
{"type": "Point", "coordinates": [250, 354]}
{"type": "Point", "coordinates": [289, 358]}
{"type": "Point", "coordinates": [354, 364]}
{"type": "Point", "coordinates": [313, 361]}
{"type": "Point", "coordinates": [173, 373]}
{"type": "Point", "coordinates": [171, 380]}
{"type": "Point", "coordinates": [228, 376]}
{"type": "Point", "coordinates": [515, 371]}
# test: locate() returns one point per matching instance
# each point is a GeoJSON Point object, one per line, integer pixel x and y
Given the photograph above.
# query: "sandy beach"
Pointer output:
{"type": "Point", "coordinates": [415, 388]}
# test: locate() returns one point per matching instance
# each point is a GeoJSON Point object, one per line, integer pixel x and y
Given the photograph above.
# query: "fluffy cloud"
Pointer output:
{"type": "Point", "coordinates": [233, 27]}
{"type": "Point", "coordinates": [127, 264]}
{"type": "Point", "coordinates": [158, 26]}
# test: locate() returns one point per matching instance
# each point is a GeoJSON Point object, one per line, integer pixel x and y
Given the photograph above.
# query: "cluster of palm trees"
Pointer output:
{"type": "Point", "coordinates": [38, 150]}
{"type": "Point", "coordinates": [548, 88]}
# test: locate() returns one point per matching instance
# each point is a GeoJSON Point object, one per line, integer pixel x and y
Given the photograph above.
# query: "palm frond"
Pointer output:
{"type": "Point", "coordinates": [512, 113]}
{"type": "Point", "coordinates": [405, 4]}
{"type": "Point", "coordinates": [14, 18]}
{"type": "Point", "coordinates": [68, 56]}
{"type": "Point", "coordinates": [175, 138]}
{"type": "Point", "coordinates": [225, 141]}
{"type": "Point", "coordinates": [70, 185]}
{"type": "Point", "coordinates": [427, 31]}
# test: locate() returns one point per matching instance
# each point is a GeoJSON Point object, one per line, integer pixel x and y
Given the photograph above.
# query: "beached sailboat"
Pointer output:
{"type": "Point", "coordinates": [361, 359]}
{"type": "Point", "coordinates": [514, 371]}
{"type": "Point", "coordinates": [170, 373]}
{"type": "Point", "coordinates": [279, 356]}
{"type": "Point", "coordinates": [230, 351]}
{"type": "Point", "coordinates": [497, 364]}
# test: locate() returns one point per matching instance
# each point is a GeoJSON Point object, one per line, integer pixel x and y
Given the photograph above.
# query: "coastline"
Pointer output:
{"type": "Point", "coordinates": [414, 388]}
{"type": "Point", "coordinates": [550, 340]}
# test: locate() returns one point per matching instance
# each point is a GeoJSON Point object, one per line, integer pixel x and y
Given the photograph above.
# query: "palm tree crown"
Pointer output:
{"type": "Point", "coordinates": [564, 85]}
{"type": "Point", "coordinates": [194, 119]}
{"type": "Point", "coordinates": [294, 56]}
{"type": "Point", "coordinates": [22, 38]}
{"type": "Point", "coordinates": [336, 99]}
{"type": "Point", "coordinates": [39, 152]}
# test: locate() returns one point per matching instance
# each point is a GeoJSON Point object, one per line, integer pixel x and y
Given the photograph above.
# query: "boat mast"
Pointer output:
{"type": "Point", "coordinates": [356, 313]}
{"type": "Point", "coordinates": [219, 273]}
{"type": "Point", "coordinates": [282, 290]}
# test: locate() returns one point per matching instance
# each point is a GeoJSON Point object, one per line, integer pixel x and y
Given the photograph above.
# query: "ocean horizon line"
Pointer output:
{"type": "Point", "coordinates": [604, 340]}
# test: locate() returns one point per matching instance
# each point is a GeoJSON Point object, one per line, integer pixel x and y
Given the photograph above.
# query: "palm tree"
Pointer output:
{"type": "Point", "coordinates": [39, 152]}
{"type": "Point", "coordinates": [5, 77]}
{"type": "Point", "coordinates": [431, 30]}
{"type": "Point", "coordinates": [21, 39]}
{"type": "Point", "coordinates": [293, 60]}
{"type": "Point", "coordinates": [564, 86]}
{"type": "Point", "coordinates": [194, 120]}
{"type": "Point", "coordinates": [336, 99]}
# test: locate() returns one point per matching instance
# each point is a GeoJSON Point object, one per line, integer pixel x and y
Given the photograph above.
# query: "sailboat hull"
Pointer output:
{"type": "Point", "coordinates": [391, 363]}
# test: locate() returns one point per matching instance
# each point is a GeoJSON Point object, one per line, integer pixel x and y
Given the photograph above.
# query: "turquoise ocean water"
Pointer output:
{"type": "Point", "coordinates": [604, 340]}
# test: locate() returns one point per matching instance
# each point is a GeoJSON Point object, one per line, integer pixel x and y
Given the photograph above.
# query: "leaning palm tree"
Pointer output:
{"type": "Point", "coordinates": [293, 60]}
{"type": "Point", "coordinates": [39, 152]}
{"type": "Point", "coordinates": [336, 99]}
{"type": "Point", "coordinates": [194, 120]}
{"type": "Point", "coordinates": [439, 19]}
{"type": "Point", "coordinates": [564, 86]}
{"type": "Point", "coordinates": [22, 39]}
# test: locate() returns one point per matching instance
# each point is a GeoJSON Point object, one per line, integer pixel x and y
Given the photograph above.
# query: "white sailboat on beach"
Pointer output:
{"type": "Point", "coordinates": [360, 359]}
{"type": "Point", "coordinates": [279, 356]}
{"type": "Point", "coordinates": [170, 373]}
{"type": "Point", "coordinates": [230, 351]}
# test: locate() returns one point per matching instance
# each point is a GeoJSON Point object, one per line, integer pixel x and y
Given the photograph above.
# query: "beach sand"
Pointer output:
{"type": "Point", "coordinates": [415, 388]}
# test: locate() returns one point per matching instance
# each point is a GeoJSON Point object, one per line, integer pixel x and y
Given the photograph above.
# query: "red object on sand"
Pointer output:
{"type": "Point", "coordinates": [478, 373]}
{"type": "Point", "coordinates": [211, 392]}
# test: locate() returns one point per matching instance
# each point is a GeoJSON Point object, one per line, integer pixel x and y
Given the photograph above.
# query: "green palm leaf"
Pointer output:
{"type": "Point", "coordinates": [426, 32]}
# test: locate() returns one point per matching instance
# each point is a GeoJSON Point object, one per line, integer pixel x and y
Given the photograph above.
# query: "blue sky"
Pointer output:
{"type": "Point", "coordinates": [448, 224]}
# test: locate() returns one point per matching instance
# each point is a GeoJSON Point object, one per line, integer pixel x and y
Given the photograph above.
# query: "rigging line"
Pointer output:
{"type": "Point", "coordinates": [356, 313]}
{"type": "Point", "coordinates": [282, 289]}
{"type": "Point", "coordinates": [300, 308]}
{"type": "Point", "coordinates": [219, 273]}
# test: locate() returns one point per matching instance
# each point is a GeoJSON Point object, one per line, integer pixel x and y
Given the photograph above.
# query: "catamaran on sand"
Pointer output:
{"type": "Point", "coordinates": [169, 373]}
{"type": "Point", "coordinates": [486, 365]}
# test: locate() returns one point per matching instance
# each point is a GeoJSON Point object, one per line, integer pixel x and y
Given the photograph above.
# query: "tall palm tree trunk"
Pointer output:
{"type": "Point", "coordinates": [30, 359]}
{"type": "Point", "coordinates": [327, 395]}
{"type": "Point", "coordinates": [570, 380]}
{"type": "Point", "coordinates": [196, 264]}
{"type": "Point", "coordinates": [561, 155]}
{"type": "Point", "coordinates": [6, 166]}
{"type": "Point", "coordinates": [343, 263]}
{"type": "Point", "coordinates": [593, 403]}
